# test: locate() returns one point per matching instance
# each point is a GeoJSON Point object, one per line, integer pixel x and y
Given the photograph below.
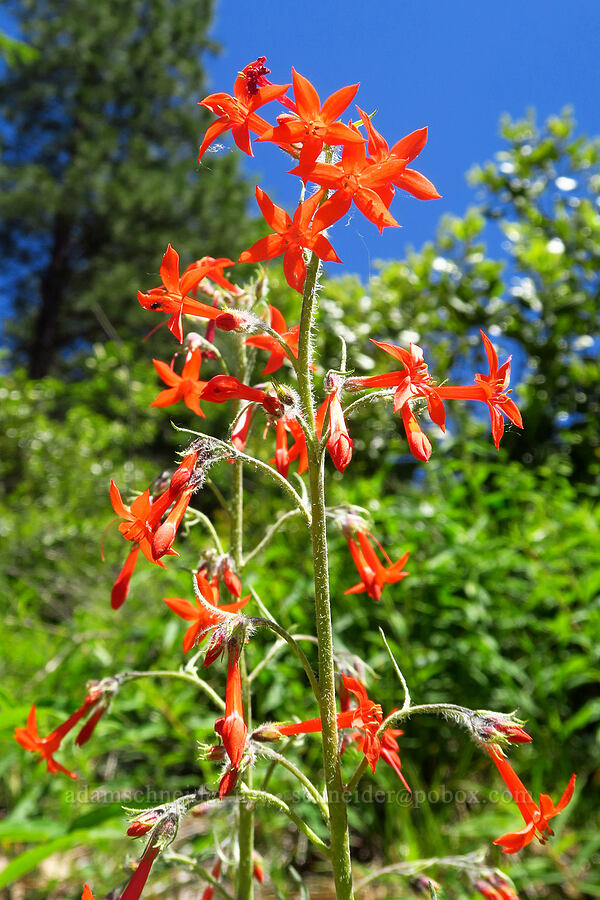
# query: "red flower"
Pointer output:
{"type": "Point", "coordinates": [87, 893]}
{"type": "Point", "coordinates": [314, 125]}
{"type": "Point", "coordinates": [356, 178]}
{"type": "Point", "coordinates": [232, 727]}
{"type": "Point", "coordinates": [291, 235]}
{"type": "Point", "coordinates": [536, 817]}
{"type": "Point", "coordinates": [29, 738]}
{"type": "Point", "coordinates": [406, 149]}
{"type": "Point", "coordinates": [374, 575]}
{"type": "Point", "coordinates": [284, 455]}
{"type": "Point", "coordinates": [220, 568]}
{"type": "Point", "coordinates": [239, 435]}
{"type": "Point", "coordinates": [120, 588]}
{"type": "Point", "coordinates": [412, 381]}
{"type": "Point", "coordinates": [165, 533]}
{"type": "Point", "coordinates": [339, 442]}
{"type": "Point", "coordinates": [367, 717]}
{"type": "Point", "coordinates": [211, 268]}
{"type": "Point", "coordinates": [238, 113]}
{"type": "Point", "coordinates": [216, 871]}
{"type": "Point", "coordinates": [221, 388]}
{"type": "Point", "coordinates": [490, 389]}
{"type": "Point", "coordinates": [206, 614]}
{"type": "Point", "coordinates": [142, 521]}
{"type": "Point", "coordinates": [171, 296]}
{"type": "Point", "coordinates": [184, 387]}
{"type": "Point", "coordinates": [266, 342]}
{"type": "Point", "coordinates": [139, 878]}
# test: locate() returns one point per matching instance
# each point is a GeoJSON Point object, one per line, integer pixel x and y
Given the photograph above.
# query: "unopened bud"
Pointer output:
{"type": "Point", "coordinates": [266, 734]}
{"type": "Point", "coordinates": [144, 821]}
{"type": "Point", "coordinates": [422, 884]}
{"type": "Point", "coordinates": [498, 728]}
{"type": "Point", "coordinates": [232, 321]}
{"type": "Point", "coordinates": [213, 752]}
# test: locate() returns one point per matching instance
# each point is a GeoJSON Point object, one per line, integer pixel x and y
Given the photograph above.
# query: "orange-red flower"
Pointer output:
{"type": "Point", "coordinates": [186, 386]}
{"type": "Point", "coordinates": [216, 871]}
{"type": "Point", "coordinates": [374, 575]}
{"type": "Point", "coordinates": [266, 342]}
{"type": "Point", "coordinates": [142, 522]}
{"type": "Point", "coordinates": [367, 716]}
{"type": "Point", "coordinates": [314, 125]}
{"type": "Point", "coordinates": [356, 178]}
{"type": "Point", "coordinates": [206, 614]}
{"type": "Point", "coordinates": [490, 389]}
{"type": "Point", "coordinates": [238, 113]}
{"type": "Point", "coordinates": [291, 235]}
{"type": "Point", "coordinates": [232, 727]}
{"type": "Point", "coordinates": [139, 878]}
{"type": "Point", "coordinates": [172, 297]}
{"type": "Point", "coordinates": [87, 893]}
{"type": "Point", "coordinates": [30, 739]}
{"type": "Point", "coordinates": [536, 817]}
{"type": "Point", "coordinates": [164, 535]}
{"type": "Point", "coordinates": [413, 380]}
{"type": "Point", "coordinates": [284, 454]}
{"type": "Point", "coordinates": [221, 388]}
{"type": "Point", "coordinates": [406, 149]}
{"type": "Point", "coordinates": [339, 442]}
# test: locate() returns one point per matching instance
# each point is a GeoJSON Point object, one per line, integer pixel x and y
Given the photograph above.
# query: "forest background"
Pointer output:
{"type": "Point", "coordinates": [99, 130]}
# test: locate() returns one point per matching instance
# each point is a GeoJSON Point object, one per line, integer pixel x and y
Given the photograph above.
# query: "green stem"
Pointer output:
{"type": "Point", "coordinates": [276, 803]}
{"type": "Point", "coordinates": [340, 845]}
{"type": "Point", "coordinates": [302, 778]}
{"type": "Point", "coordinates": [204, 873]}
{"type": "Point", "coordinates": [245, 880]}
{"type": "Point", "coordinates": [287, 637]}
{"type": "Point", "coordinates": [183, 676]}
{"type": "Point", "coordinates": [272, 531]}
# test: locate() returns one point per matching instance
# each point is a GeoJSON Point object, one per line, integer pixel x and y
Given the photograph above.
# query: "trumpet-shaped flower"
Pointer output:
{"type": "Point", "coordinates": [206, 614]}
{"type": "Point", "coordinates": [536, 817]}
{"type": "Point", "coordinates": [356, 179]}
{"type": "Point", "coordinates": [266, 342]}
{"type": "Point", "coordinates": [221, 388]}
{"type": "Point", "coordinates": [171, 297]}
{"type": "Point", "coordinates": [232, 727]}
{"type": "Point", "coordinates": [339, 442]}
{"type": "Point", "coordinates": [374, 575]}
{"type": "Point", "coordinates": [238, 113]}
{"type": "Point", "coordinates": [491, 389]}
{"type": "Point", "coordinates": [29, 738]}
{"type": "Point", "coordinates": [186, 387]}
{"type": "Point", "coordinates": [314, 125]}
{"type": "Point", "coordinates": [292, 235]}
{"type": "Point", "coordinates": [367, 717]}
{"type": "Point", "coordinates": [406, 149]}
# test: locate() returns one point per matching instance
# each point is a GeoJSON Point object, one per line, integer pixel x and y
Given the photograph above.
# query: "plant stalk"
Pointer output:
{"type": "Point", "coordinates": [245, 881]}
{"type": "Point", "coordinates": [339, 840]}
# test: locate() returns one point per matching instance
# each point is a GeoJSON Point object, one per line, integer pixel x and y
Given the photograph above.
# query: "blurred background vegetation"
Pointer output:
{"type": "Point", "coordinates": [502, 608]}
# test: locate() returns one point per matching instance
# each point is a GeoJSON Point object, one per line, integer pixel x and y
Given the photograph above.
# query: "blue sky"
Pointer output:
{"type": "Point", "coordinates": [455, 66]}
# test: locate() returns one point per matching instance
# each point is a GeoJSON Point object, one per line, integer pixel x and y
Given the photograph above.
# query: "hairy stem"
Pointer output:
{"type": "Point", "coordinates": [340, 846]}
{"type": "Point", "coordinates": [245, 881]}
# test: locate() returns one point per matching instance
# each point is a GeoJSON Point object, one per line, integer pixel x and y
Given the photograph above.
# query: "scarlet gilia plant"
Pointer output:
{"type": "Point", "coordinates": [308, 412]}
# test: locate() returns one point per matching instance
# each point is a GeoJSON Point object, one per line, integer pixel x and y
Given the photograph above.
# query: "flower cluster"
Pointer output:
{"type": "Point", "coordinates": [339, 164]}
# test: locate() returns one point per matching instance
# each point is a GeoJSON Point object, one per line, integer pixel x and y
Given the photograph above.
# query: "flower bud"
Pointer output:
{"type": "Point", "coordinates": [498, 728]}
{"type": "Point", "coordinates": [144, 821]}
{"type": "Point", "coordinates": [422, 884]}
{"type": "Point", "coordinates": [266, 734]}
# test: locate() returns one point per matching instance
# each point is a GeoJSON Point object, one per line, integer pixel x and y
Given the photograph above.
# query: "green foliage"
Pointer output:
{"type": "Point", "coordinates": [501, 610]}
{"type": "Point", "coordinates": [100, 139]}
